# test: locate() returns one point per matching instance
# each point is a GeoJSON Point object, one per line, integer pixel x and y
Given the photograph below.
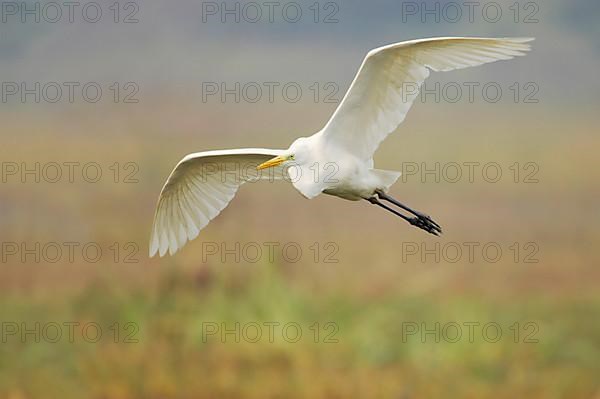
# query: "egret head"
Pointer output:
{"type": "Point", "coordinates": [295, 153]}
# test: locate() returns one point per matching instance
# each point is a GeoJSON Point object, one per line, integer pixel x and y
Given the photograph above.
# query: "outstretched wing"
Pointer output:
{"type": "Point", "coordinates": [199, 188]}
{"type": "Point", "coordinates": [389, 80]}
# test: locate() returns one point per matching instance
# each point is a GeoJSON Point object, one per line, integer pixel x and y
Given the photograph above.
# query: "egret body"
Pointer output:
{"type": "Point", "coordinates": [387, 83]}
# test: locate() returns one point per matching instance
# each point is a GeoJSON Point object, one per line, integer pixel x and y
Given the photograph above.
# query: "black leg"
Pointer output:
{"type": "Point", "coordinates": [394, 201]}
{"type": "Point", "coordinates": [421, 220]}
{"type": "Point", "coordinates": [375, 201]}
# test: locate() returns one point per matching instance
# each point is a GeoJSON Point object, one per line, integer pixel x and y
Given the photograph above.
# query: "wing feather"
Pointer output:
{"type": "Point", "coordinates": [198, 189]}
{"type": "Point", "coordinates": [390, 78]}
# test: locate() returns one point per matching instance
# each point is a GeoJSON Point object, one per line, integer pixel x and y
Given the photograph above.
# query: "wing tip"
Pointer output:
{"type": "Point", "coordinates": [509, 40]}
{"type": "Point", "coordinates": [521, 43]}
{"type": "Point", "coordinates": [523, 39]}
{"type": "Point", "coordinates": [154, 246]}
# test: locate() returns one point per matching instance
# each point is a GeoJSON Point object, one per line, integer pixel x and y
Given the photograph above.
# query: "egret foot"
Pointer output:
{"type": "Point", "coordinates": [426, 223]}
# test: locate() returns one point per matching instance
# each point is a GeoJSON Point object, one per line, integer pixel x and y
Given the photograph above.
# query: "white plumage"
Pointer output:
{"type": "Point", "coordinates": [380, 96]}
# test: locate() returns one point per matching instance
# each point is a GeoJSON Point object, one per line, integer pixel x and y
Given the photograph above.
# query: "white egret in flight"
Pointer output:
{"type": "Point", "coordinates": [387, 83]}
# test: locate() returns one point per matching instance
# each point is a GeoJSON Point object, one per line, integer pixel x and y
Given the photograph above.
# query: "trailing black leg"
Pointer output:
{"type": "Point", "coordinates": [375, 201]}
{"type": "Point", "coordinates": [421, 220]}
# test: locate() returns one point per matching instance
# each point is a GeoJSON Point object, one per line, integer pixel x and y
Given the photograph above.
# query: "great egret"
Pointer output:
{"type": "Point", "coordinates": [202, 184]}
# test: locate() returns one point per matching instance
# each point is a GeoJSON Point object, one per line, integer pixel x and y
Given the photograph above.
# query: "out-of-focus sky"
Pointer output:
{"type": "Point", "coordinates": [176, 45]}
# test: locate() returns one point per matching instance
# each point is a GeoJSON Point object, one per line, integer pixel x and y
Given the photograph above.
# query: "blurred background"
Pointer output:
{"type": "Point", "coordinates": [279, 296]}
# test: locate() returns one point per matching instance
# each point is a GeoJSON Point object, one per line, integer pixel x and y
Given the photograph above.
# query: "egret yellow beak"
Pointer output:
{"type": "Point", "coordinates": [272, 163]}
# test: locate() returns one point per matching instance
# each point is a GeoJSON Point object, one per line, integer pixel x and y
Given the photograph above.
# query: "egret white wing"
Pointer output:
{"type": "Point", "coordinates": [389, 80]}
{"type": "Point", "coordinates": [199, 188]}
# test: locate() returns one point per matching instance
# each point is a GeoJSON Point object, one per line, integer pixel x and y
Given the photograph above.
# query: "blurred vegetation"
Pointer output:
{"type": "Point", "coordinates": [370, 295]}
{"type": "Point", "coordinates": [370, 353]}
